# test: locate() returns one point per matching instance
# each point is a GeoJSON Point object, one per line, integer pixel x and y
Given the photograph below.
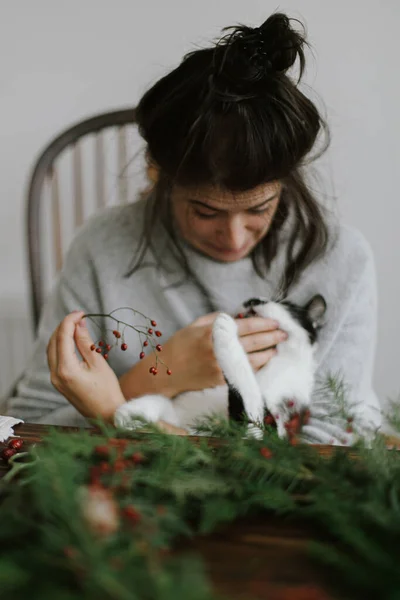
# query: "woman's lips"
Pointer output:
{"type": "Point", "coordinates": [229, 251]}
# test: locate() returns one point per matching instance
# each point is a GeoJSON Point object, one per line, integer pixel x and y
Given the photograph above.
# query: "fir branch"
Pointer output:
{"type": "Point", "coordinates": [164, 487]}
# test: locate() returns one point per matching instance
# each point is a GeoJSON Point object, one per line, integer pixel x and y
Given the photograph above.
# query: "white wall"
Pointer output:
{"type": "Point", "coordinates": [63, 61]}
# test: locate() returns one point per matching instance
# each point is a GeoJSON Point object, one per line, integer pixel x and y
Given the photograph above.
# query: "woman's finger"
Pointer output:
{"type": "Point", "coordinates": [84, 342]}
{"type": "Point", "coordinates": [205, 319]}
{"type": "Point", "coordinates": [172, 429]}
{"type": "Point", "coordinates": [52, 352]}
{"type": "Point", "coordinates": [260, 359]}
{"type": "Point", "coordinates": [67, 359]}
{"type": "Point", "coordinates": [255, 325]}
{"type": "Point", "coordinates": [262, 341]}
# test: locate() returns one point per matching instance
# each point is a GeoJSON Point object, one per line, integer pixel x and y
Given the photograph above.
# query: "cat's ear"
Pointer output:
{"type": "Point", "coordinates": [316, 309]}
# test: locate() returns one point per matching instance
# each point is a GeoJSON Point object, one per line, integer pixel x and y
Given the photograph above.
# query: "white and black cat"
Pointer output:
{"type": "Point", "coordinates": [283, 387]}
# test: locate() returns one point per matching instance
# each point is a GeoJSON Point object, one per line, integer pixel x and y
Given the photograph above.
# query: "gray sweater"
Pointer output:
{"type": "Point", "coordinates": [93, 279]}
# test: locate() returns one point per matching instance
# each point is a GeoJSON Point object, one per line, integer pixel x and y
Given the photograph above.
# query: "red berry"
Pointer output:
{"type": "Point", "coordinates": [124, 347]}
{"type": "Point", "coordinates": [158, 333]}
{"type": "Point", "coordinates": [95, 473]}
{"type": "Point", "coordinates": [118, 443]}
{"type": "Point", "coordinates": [102, 450]}
{"type": "Point", "coordinates": [116, 334]}
{"type": "Point", "coordinates": [169, 372]}
{"type": "Point", "coordinates": [93, 347]}
{"type": "Point", "coordinates": [108, 347]}
{"type": "Point", "coordinates": [159, 347]}
{"type": "Point", "coordinates": [293, 424]}
{"type": "Point", "coordinates": [350, 419]}
{"type": "Point", "coordinates": [152, 369]}
{"type": "Point", "coordinates": [104, 467]}
{"type": "Point", "coordinates": [266, 452]}
{"type": "Point", "coordinates": [119, 465]}
{"type": "Point", "coordinates": [98, 350]}
{"type": "Point", "coordinates": [106, 356]}
{"type": "Point", "coordinates": [290, 403]}
{"type": "Point", "coordinates": [155, 372]}
{"type": "Point", "coordinates": [349, 429]}
{"type": "Point", "coordinates": [142, 355]}
{"type": "Point", "coordinates": [240, 316]}
{"type": "Point", "coordinates": [150, 331]}
{"type": "Point", "coordinates": [145, 343]}
{"type": "Point", "coordinates": [137, 458]}
{"type": "Point", "coordinates": [131, 514]}
{"type": "Point", "coordinates": [154, 324]}
{"type": "Point", "coordinates": [15, 444]}
{"type": "Point", "coordinates": [7, 454]}
{"type": "Point", "coordinates": [70, 552]}
{"type": "Point", "coordinates": [276, 417]}
{"type": "Point", "coordinates": [269, 420]}
{"type": "Point", "coordinates": [101, 343]}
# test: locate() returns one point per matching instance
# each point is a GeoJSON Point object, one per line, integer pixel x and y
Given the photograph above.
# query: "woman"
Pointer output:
{"type": "Point", "coordinates": [230, 217]}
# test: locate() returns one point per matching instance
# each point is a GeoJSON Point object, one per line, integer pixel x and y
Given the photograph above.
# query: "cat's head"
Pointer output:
{"type": "Point", "coordinates": [300, 321]}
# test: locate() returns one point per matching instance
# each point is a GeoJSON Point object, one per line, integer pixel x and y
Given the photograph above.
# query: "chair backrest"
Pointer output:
{"type": "Point", "coordinates": [58, 203]}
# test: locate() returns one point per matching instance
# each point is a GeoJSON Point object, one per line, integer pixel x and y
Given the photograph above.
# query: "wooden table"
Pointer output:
{"type": "Point", "coordinates": [262, 557]}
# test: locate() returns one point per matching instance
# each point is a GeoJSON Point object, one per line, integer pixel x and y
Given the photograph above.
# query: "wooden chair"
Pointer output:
{"type": "Point", "coordinates": [48, 197]}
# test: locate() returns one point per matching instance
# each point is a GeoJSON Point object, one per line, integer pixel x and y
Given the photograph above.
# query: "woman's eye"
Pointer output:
{"type": "Point", "coordinates": [259, 211]}
{"type": "Point", "coordinates": [204, 215]}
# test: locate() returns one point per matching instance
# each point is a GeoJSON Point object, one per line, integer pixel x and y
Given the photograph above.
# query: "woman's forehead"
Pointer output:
{"type": "Point", "coordinates": [222, 198]}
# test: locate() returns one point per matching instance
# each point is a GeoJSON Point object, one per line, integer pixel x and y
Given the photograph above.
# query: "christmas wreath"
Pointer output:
{"type": "Point", "coordinates": [96, 516]}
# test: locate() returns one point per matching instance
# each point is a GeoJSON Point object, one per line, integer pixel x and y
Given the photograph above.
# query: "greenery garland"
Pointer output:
{"type": "Point", "coordinates": [94, 517]}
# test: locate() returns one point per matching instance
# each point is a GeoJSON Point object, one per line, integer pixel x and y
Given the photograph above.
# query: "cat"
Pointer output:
{"type": "Point", "coordinates": [282, 388]}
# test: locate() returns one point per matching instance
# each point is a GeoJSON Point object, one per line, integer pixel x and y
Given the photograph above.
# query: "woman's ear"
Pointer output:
{"type": "Point", "coordinates": [152, 169]}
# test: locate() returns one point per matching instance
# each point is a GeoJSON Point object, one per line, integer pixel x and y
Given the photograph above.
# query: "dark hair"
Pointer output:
{"type": "Point", "coordinates": [230, 116]}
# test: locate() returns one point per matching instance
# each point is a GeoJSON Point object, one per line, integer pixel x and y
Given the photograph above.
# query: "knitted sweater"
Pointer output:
{"type": "Point", "coordinates": [94, 280]}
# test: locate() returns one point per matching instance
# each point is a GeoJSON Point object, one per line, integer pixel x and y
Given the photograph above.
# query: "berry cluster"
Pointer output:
{"type": "Point", "coordinates": [293, 425]}
{"type": "Point", "coordinates": [14, 446]}
{"type": "Point", "coordinates": [147, 336]}
{"type": "Point", "coordinates": [114, 458]}
{"type": "Point", "coordinates": [296, 421]}
{"type": "Point", "coordinates": [111, 474]}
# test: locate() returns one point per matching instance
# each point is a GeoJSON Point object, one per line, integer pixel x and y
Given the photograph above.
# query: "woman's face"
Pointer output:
{"type": "Point", "coordinates": [223, 225]}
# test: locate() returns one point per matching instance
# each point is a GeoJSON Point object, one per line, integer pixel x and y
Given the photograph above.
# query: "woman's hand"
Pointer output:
{"type": "Point", "coordinates": [90, 385]}
{"type": "Point", "coordinates": [190, 355]}
{"type": "Point", "coordinates": [259, 337]}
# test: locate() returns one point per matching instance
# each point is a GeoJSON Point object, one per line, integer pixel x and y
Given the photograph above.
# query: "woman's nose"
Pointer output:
{"type": "Point", "coordinates": [233, 233]}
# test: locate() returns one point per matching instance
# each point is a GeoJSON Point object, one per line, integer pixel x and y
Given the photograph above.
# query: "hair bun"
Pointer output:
{"type": "Point", "coordinates": [279, 43]}
{"type": "Point", "coordinates": [249, 55]}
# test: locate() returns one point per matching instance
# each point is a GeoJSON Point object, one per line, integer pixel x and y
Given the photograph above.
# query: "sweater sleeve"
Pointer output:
{"type": "Point", "coordinates": [350, 359]}
{"type": "Point", "coordinates": [35, 399]}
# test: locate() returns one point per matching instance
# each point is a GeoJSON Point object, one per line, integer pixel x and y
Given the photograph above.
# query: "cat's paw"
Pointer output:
{"type": "Point", "coordinates": [126, 418]}
{"type": "Point", "coordinates": [255, 431]}
{"type": "Point", "coordinates": [133, 414]}
{"type": "Point", "coordinates": [224, 330]}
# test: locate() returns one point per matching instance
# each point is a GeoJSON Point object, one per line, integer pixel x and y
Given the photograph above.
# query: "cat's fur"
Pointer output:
{"type": "Point", "coordinates": [283, 386]}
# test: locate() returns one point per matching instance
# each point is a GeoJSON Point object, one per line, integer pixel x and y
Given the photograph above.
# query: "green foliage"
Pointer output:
{"type": "Point", "coordinates": [178, 489]}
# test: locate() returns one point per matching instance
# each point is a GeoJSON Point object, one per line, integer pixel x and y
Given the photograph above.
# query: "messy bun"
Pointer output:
{"type": "Point", "coordinates": [247, 59]}
{"type": "Point", "coordinates": [232, 116]}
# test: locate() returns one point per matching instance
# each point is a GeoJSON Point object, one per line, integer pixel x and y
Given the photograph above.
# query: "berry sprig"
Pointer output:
{"type": "Point", "coordinates": [294, 423]}
{"type": "Point", "coordinates": [13, 446]}
{"type": "Point", "coordinates": [104, 346]}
